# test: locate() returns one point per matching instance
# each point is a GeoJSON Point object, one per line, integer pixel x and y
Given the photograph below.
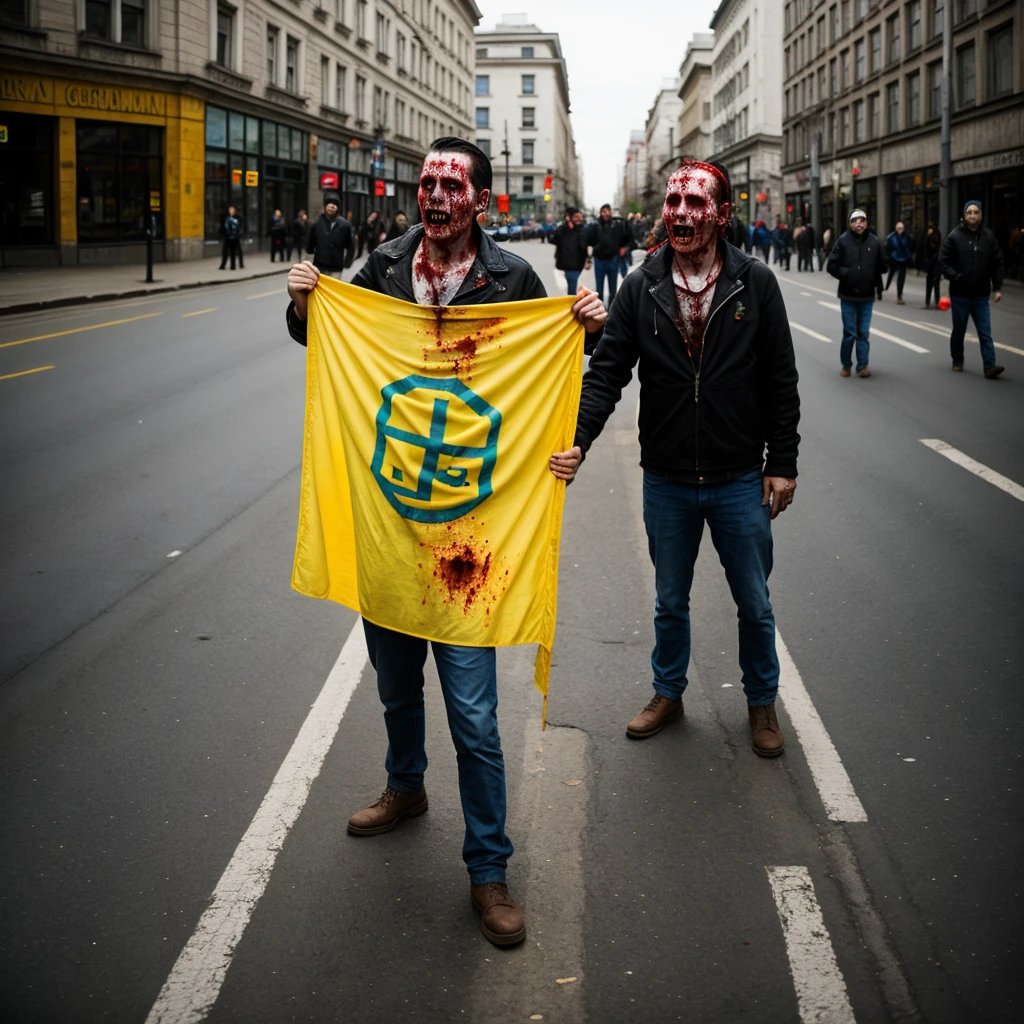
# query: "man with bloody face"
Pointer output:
{"type": "Point", "coordinates": [718, 433]}
{"type": "Point", "coordinates": [446, 260]}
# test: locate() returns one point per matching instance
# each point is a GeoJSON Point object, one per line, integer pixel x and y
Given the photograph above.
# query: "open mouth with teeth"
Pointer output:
{"type": "Point", "coordinates": [682, 231]}
{"type": "Point", "coordinates": [438, 217]}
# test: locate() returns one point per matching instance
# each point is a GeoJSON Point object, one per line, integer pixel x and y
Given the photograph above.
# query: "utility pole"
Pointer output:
{"type": "Point", "coordinates": [946, 163]}
{"type": "Point", "coordinates": [815, 188]}
{"type": "Point", "coordinates": [506, 153]}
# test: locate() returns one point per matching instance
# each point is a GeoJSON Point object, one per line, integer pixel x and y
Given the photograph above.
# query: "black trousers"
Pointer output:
{"type": "Point", "coordinates": [232, 248]}
{"type": "Point", "coordinates": [899, 271]}
{"type": "Point", "coordinates": [932, 283]}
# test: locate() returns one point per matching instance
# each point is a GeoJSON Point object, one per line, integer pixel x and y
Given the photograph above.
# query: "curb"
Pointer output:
{"type": "Point", "coordinates": [132, 293]}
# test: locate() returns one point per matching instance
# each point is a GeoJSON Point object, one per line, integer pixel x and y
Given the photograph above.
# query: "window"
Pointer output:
{"type": "Point", "coordinates": [483, 117]}
{"type": "Point", "coordinates": [938, 14]}
{"type": "Point", "coordinates": [860, 60]}
{"type": "Point", "coordinates": [875, 47]}
{"type": "Point", "coordinates": [400, 50]}
{"type": "Point", "coordinates": [831, 78]}
{"type": "Point", "coordinates": [892, 34]}
{"type": "Point", "coordinates": [325, 81]}
{"type": "Point", "coordinates": [844, 127]}
{"type": "Point", "coordinates": [291, 66]}
{"type": "Point", "coordinates": [965, 9]}
{"type": "Point", "coordinates": [378, 106]}
{"type": "Point", "coordinates": [529, 117]}
{"type": "Point", "coordinates": [483, 85]}
{"type": "Point", "coordinates": [360, 98]}
{"type": "Point", "coordinates": [14, 12]}
{"type": "Point", "coordinates": [859, 124]}
{"type": "Point", "coordinates": [874, 115]}
{"type": "Point", "coordinates": [831, 140]}
{"type": "Point", "coordinates": [892, 108]}
{"type": "Point", "coordinates": [966, 89]}
{"type": "Point", "coordinates": [833, 17]}
{"type": "Point", "coordinates": [527, 151]}
{"type": "Point", "coordinates": [844, 8]}
{"type": "Point", "coordinates": [861, 10]}
{"type": "Point", "coordinates": [133, 22]}
{"type": "Point", "coordinates": [225, 36]}
{"type": "Point", "coordinates": [98, 19]}
{"type": "Point", "coordinates": [481, 53]}
{"type": "Point", "coordinates": [913, 24]}
{"type": "Point", "coordinates": [526, 51]}
{"type": "Point", "coordinates": [272, 38]}
{"type": "Point", "coordinates": [340, 74]}
{"type": "Point", "coordinates": [935, 89]}
{"type": "Point", "coordinates": [528, 82]}
{"type": "Point", "coordinates": [120, 21]}
{"type": "Point", "coordinates": [1000, 62]}
{"type": "Point", "coordinates": [844, 70]}
{"type": "Point", "coordinates": [914, 99]}
{"type": "Point", "coordinates": [484, 145]}
{"type": "Point", "coordinates": [821, 83]}
{"type": "Point", "coordinates": [382, 33]}
{"type": "Point", "coordinates": [361, 19]}
{"type": "Point", "coordinates": [528, 184]}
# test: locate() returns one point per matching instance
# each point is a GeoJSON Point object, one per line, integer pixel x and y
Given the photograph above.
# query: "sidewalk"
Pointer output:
{"type": "Point", "coordinates": [23, 289]}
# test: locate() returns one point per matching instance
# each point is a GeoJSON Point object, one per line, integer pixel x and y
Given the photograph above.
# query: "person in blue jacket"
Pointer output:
{"type": "Point", "coordinates": [899, 250]}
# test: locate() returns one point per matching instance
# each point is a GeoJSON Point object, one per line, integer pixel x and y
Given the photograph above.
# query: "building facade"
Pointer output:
{"type": "Point", "coordinates": [746, 104]}
{"type": "Point", "coordinates": [121, 116]}
{"type": "Point", "coordinates": [634, 176]}
{"type": "Point", "coordinates": [866, 76]}
{"type": "Point", "coordinates": [660, 143]}
{"type": "Point", "coordinates": [522, 118]}
{"type": "Point", "coordinates": [694, 131]}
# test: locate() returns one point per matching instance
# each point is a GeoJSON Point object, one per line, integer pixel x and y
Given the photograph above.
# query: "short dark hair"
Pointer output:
{"type": "Point", "coordinates": [607, 206]}
{"type": "Point", "coordinates": [480, 173]}
{"type": "Point", "coordinates": [571, 211]}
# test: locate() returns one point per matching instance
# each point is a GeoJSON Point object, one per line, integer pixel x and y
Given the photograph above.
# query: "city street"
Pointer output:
{"type": "Point", "coordinates": [156, 672]}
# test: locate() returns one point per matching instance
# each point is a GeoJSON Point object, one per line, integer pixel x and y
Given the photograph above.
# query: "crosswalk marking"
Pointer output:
{"type": "Point", "coordinates": [972, 466]}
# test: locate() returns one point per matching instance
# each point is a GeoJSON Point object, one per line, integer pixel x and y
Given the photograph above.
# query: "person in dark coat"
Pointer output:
{"type": "Point", "coordinates": [899, 251]}
{"type": "Point", "coordinates": [399, 226]}
{"type": "Point", "coordinates": [231, 232]}
{"type": "Point", "coordinates": [298, 235]}
{"type": "Point", "coordinates": [970, 258]}
{"type": "Point", "coordinates": [933, 282]}
{"type": "Point", "coordinates": [858, 262]}
{"type": "Point", "coordinates": [705, 328]}
{"type": "Point", "coordinates": [571, 248]}
{"type": "Point", "coordinates": [805, 249]}
{"type": "Point", "coordinates": [330, 239]}
{"type": "Point", "coordinates": [609, 239]}
{"type": "Point", "coordinates": [278, 236]}
{"type": "Point", "coordinates": [369, 233]}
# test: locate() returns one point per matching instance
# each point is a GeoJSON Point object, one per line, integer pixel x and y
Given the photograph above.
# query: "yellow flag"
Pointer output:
{"type": "Point", "coordinates": [427, 505]}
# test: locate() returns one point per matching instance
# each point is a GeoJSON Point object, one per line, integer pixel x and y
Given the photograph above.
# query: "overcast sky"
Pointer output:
{"type": "Point", "coordinates": [617, 52]}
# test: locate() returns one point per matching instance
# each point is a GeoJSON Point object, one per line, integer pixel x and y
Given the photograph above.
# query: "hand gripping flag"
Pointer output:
{"type": "Point", "coordinates": [427, 505]}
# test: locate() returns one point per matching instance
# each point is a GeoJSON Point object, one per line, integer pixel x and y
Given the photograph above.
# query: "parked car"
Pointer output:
{"type": "Point", "coordinates": [515, 232]}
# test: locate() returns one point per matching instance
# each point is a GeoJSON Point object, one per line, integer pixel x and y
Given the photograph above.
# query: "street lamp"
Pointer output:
{"type": "Point", "coordinates": [506, 153]}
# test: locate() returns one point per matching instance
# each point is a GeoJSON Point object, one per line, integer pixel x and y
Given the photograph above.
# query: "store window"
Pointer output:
{"type": "Point", "coordinates": [26, 181]}
{"type": "Point", "coordinates": [118, 173]}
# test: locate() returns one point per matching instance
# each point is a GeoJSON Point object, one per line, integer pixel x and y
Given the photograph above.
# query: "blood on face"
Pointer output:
{"type": "Point", "coordinates": [692, 214]}
{"type": "Point", "coordinates": [446, 196]}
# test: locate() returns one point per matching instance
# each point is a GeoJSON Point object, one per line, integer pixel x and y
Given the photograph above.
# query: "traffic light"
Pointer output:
{"type": "Point", "coordinates": [379, 188]}
{"type": "Point", "coordinates": [547, 183]}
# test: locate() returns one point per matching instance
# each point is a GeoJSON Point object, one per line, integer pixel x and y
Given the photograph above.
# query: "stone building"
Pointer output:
{"type": "Point", "coordinates": [660, 143]}
{"type": "Point", "coordinates": [120, 114]}
{"type": "Point", "coordinates": [746, 104]}
{"type": "Point", "coordinates": [694, 132]}
{"type": "Point", "coordinates": [866, 75]}
{"type": "Point", "coordinates": [522, 105]}
{"type": "Point", "coordinates": [630, 196]}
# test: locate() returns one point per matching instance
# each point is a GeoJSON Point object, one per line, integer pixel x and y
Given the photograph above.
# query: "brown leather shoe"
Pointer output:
{"type": "Point", "coordinates": [387, 811]}
{"type": "Point", "coordinates": [765, 734]}
{"type": "Point", "coordinates": [659, 711]}
{"type": "Point", "coordinates": [864, 373]}
{"type": "Point", "coordinates": [844, 372]}
{"type": "Point", "coordinates": [501, 920]}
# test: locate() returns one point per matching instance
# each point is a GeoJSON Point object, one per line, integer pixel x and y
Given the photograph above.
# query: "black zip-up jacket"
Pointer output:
{"type": "Point", "coordinates": [972, 261]}
{"type": "Point", "coordinates": [570, 247]}
{"type": "Point", "coordinates": [859, 262]}
{"type": "Point", "coordinates": [608, 237]}
{"type": "Point", "coordinates": [332, 243]}
{"type": "Point", "coordinates": [496, 276]}
{"type": "Point", "coordinates": [711, 421]}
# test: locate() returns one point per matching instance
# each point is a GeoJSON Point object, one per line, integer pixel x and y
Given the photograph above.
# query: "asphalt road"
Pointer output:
{"type": "Point", "coordinates": [156, 670]}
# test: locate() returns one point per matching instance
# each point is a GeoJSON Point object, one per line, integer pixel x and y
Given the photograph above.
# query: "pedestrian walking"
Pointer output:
{"type": "Point", "coordinates": [826, 247]}
{"type": "Point", "coordinates": [369, 233]}
{"type": "Point", "coordinates": [299, 234]}
{"type": "Point", "coordinates": [399, 226]}
{"type": "Point", "coordinates": [805, 248]}
{"type": "Point", "coordinates": [706, 328]}
{"type": "Point", "coordinates": [933, 281]}
{"type": "Point", "coordinates": [278, 236]}
{"type": "Point", "coordinates": [899, 251]}
{"type": "Point", "coordinates": [330, 239]}
{"type": "Point", "coordinates": [440, 262]}
{"type": "Point", "coordinates": [858, 262]}
{"type": "Point", "coordinates": [970, 258]}
{"type": "Point", "coordinates": [762, 239]}
{"type": "Point", "coordinates": [607, 239]}
{"type": "Point", "coordinates": [231, 231]}
{"type": "Point", "coordinates": [571, 248]}
{"type": "Point", "coordinates": [784, 245]}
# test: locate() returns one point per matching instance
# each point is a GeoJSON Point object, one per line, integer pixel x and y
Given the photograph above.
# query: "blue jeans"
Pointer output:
{"type": "Point", "coordinates": [470, 687]}
{"type": "Point", "coordinates": [572, 280]}
{"type": "Point", "coordinates": [856, 325]}
{"type": "Point", "coordinates": [979, 310]}
{"type": "Point", "coordinates": [674, 515]}
{"type": "Point", "coordinates": [609, 269]}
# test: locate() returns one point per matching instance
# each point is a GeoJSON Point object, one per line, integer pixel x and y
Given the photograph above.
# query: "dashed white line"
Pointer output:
{"type": "Point", "coordinates": [1004, 483]}
{"type": "Point", "coordinates": [196, 979]}
{"type": "Point", "coordinates": [173, 554]}
{"type": "Point", "coordinates": [881, 334]}
{"type": "Point", "coordinates": [813, 334]}
{"type": "Point", "coordinates": [827, 770]}
{"type": "Point", "coordinates": [820, 990]}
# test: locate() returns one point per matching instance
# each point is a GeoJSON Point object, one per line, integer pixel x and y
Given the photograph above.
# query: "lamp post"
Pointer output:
{"type": "Point", "coordinates": [506, 153]}
{"type": "Point", "coordinates": [945, 162]}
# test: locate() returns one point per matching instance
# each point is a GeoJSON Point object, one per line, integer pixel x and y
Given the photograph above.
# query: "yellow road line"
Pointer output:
{"type": "Point", "coordinates": [76, 330]}
{"type": "Point", "coordinates": [263, 295]}
{"type": "Point", "coordinates": [38, 369]}
{"type": "Point", "coordinates": [200, 312]}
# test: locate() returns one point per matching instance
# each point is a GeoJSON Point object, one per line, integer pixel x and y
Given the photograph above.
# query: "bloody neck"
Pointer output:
{"type": "Point", "coordinates": [697, 267]}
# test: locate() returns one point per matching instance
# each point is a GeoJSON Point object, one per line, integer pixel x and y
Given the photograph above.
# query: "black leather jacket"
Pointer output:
{"type": "Point", "coordinates": [496, 276]}
{"type": "Point", "coordinates": [972, 261]}
{"type": "Point", "coordinates": [709, 422]}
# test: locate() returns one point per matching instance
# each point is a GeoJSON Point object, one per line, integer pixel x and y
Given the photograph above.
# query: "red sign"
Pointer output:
{"type": "Point", "coordinates": [762, 197]}
{"type": "Point", "coordinates": [236, 176]}
{"type": "Point", "coordinates": [547, 183]}
{"type": "Point", "coordinates": [379, 188]}
{"type": "Point", "coordinates": [329, 180]}
{"type": "Point", "coordinates": [855, 171]}
{"type": "Point", "coordinates": [789, 208]}
{"type": "Point", "coordinates": [502, 204]}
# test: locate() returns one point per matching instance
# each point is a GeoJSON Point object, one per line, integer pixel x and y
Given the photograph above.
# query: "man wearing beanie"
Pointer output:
{"type": "Point", "coordinates": [859, 263]}
{"type": "Point", "coordinates": [972, 260]}
{"type": "Point", "coordinates": [331, 239]}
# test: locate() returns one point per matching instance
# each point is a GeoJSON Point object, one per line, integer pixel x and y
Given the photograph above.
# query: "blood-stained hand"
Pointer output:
{"type": "Point", "coordinates": [302, 279]}
{"type": "Point", "coordinates": [779, 490]}
{"type": "Point", "coordinates": [589, 309]}
{"type": "Point", "coordinates": [565, 464]}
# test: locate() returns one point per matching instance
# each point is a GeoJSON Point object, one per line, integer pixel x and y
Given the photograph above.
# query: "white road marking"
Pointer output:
{"type": "Point", "coordinates": [173, 554]}
{"type": "Point", "coordinates": [834, 785]}
{"type": "Point", "coordinates": [881, 334]}
{"type": "Point", "coordinates": [978, 469]}
{"type": "Point", "coordinates": [831, 305]}
{"type": "Point", "coordinates": [807, 294]}
{"type": "Point", "coordinates": [820, 990]}
{"type": "Point", "coordinates": [194, 984]}
{"type": "Point", "coordinates": [813, 334]}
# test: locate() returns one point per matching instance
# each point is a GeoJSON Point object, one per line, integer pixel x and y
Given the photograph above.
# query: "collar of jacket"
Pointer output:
{"type": "Point", "coordinates": [658, 267]}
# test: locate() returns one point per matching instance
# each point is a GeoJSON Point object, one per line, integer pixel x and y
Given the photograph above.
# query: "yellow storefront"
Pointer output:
{"type": "Point", "coordinates": [87, 168]}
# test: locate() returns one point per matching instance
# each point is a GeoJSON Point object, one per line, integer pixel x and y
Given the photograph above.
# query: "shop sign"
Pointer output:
{"type": "Point", "coordinates": [26, 90]}
{"type": "Point", "coordinates": [762, 197]}
{"type": "Point", "coordinates": [125, 101]}
{"type": "Point", "coordinates": [502, 204]}
{"type": "Point", "coordinates": [154, 201]}
{"type": "Point", "coordinates": [236, 176]}
{"type": "Point", "coordinates": [328, 180]}
{"type": "Point", "coordinates": [252, 179]}
{"type": "Point", "coordinates": [353, 144]}
{"type": "Point", "coordinates": [991, 162]}
{"type": "Point", "coordinates": [379, 188]}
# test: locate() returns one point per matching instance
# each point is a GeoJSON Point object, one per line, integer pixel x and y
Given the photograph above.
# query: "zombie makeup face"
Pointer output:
{"type": "Point", "coordinates": [692, 213]}
{"type": "Point", "coordinates": [447, 199]}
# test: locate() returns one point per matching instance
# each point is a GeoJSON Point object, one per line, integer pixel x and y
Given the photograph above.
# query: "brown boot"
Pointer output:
{"type": "Point", "coordinates": [387, 811]}
{"type": "Point", "coordinates": [659, 710]}
{"type": "Point", "coordinates": [765, 734]}
{"type": "Point", "coordinates": [501, 920]}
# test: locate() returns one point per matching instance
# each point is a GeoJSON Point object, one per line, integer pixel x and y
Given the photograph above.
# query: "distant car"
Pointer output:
{"type": "Point", "coordinates": [515, 232]}
{"type": "Point", "coordinates": [499, 233]}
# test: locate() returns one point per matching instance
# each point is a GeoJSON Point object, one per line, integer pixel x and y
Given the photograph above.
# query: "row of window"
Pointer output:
{"type": "Point", "coordinates": [526, 152]}
{"type": "Point", "coordinates": [732, 46]}
{"type": "Point", "coordinates": [726, 96]}
{"type": "Point", "coordinates": [525, 52]}
{"type": "Point", "coordinates": [732, 131]}
{"type": "Point", "coordinates": [527, 117]}
{"type": "Point", "coordinates": [527, 85]}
